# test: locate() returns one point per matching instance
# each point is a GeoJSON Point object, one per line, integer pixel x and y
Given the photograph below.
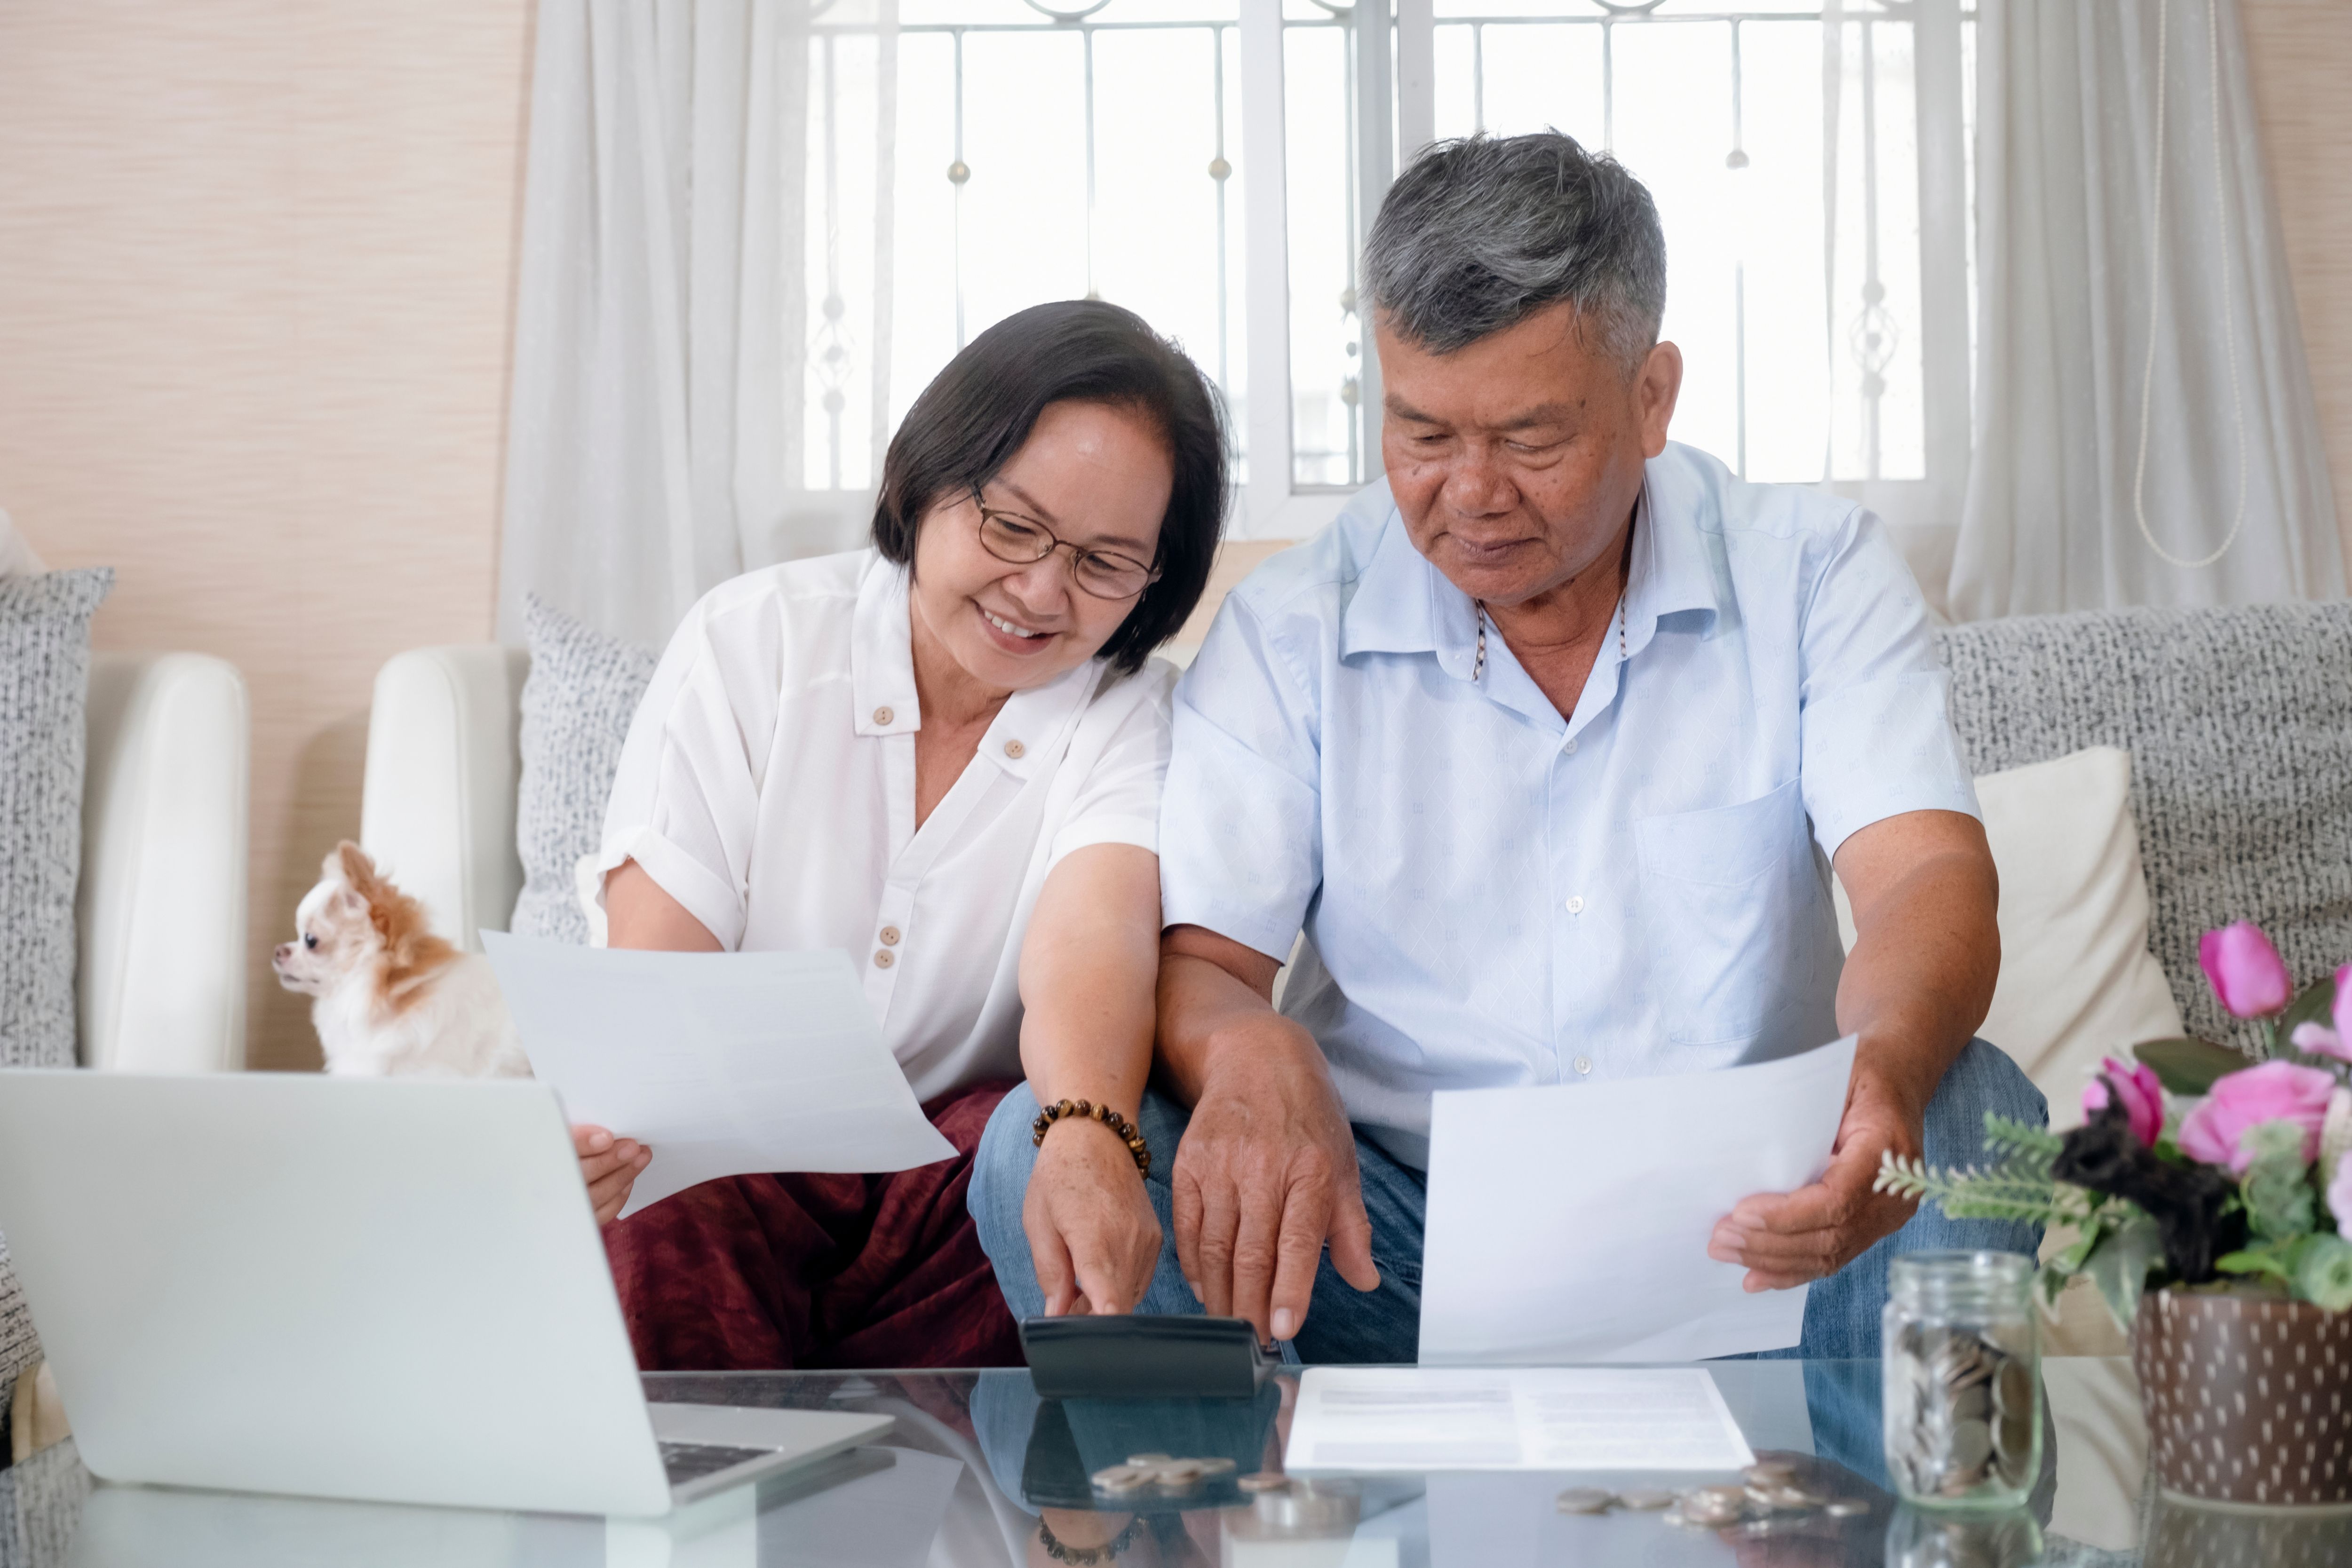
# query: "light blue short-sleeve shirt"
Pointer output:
{"type": "Point", "coordinates": [1492, 895]}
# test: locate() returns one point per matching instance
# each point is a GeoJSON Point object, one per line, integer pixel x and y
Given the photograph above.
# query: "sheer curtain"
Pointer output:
{"type": "Point", "coordinates": [662, 347]}
{"type": "Point", "coordinates": [2145, 428]}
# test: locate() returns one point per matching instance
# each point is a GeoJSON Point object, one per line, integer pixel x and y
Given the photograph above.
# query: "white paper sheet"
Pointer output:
{"type": "Point", "coordinates": [723, 1063]}
{"type": "Point", "coordinates": [1570, 1223]}
{"type": "Point", "coordinates": [1522, 1418]}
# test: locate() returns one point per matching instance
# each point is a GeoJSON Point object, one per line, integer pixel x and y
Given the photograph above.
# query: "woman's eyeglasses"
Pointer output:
{"type": "Point", "coordinates": [1105, 574]}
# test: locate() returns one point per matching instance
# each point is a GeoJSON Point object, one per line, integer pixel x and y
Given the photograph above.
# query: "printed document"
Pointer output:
{"type": "Point", "coordinates": [723, 1063]}
{"type": "Point", "coordinates": [1570, 1223]}
{"type": "Point", "coordinates": [1539, 1418]}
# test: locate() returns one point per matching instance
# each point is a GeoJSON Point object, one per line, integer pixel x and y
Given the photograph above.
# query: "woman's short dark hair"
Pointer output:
{"type": "Point", "coordinates": [980, 410]}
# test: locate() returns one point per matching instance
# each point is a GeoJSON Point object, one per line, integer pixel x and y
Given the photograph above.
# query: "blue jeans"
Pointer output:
{"type": "Point", "coordinates": [1345, 1325]}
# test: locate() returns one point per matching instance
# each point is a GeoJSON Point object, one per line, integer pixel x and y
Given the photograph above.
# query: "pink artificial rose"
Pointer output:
{"type": "Point", "coordinates": [2142, 1097]}
{"type": "Point", "coordinates": [2344, 1005]}
{"type": "Point", "coordinates": [2340, 1198]}
{"type": "Point", "coordinates": [2319, 1040]}
{"type": "Point", "coordinates": [2274, 1092]}
{"type": "Point", "coordinates": [2245, 970]}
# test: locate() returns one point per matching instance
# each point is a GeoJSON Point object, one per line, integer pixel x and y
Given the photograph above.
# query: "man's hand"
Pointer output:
{"type": "Point", "coordinates": [1089, 1221]}
{"type": "Point", "coordinates": [1789, 1239]}
{"type": "Point", "coordinates": [1926, 951]}
{"type": "Point", "coordinates": [611, 1166]}
{"type": "Point", "coordinates": [1267, 1172]}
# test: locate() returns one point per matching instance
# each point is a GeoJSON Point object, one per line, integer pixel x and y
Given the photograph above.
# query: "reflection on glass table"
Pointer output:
{"type": "Point", "coordinates": [980, 1472]}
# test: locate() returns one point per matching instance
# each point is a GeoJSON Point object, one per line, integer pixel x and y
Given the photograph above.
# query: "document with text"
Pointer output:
{"type": "Point", "coordinates": [1521, 1418]}
{"type": "Point", "coordinates": [723, 1063]}
{"type": "Point", "coordinates": [1570, 1223]}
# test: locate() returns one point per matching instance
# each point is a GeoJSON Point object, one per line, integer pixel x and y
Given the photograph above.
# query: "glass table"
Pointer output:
{"type": "Point", "coordinates": [978, 1472]}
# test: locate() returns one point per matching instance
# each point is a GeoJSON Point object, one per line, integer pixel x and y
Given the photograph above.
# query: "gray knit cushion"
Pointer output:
{"type": "Point", "coordinates": [43, 692]}
{"type": "Point", "coordinates": [582, 690]}
{"type": "Point", "coordinates": [2239, 721]}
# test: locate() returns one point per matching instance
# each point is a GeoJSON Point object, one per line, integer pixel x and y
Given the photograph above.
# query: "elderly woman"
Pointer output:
{"type": "Point", "coordinates": [943, 754]}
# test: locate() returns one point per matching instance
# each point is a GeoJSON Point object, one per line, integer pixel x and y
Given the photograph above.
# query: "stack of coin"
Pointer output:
{"type": "Point", "coordinates": [1161, 1473]}
{"type": "Point", "coordinates": [1961, 1418]}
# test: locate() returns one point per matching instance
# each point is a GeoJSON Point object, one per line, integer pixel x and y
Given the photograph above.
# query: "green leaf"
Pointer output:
{"type": "Point", "coordinates": [2323, 1272]}
{"type": "Point", "coordinates": [2020, 1139]}
{"type": "Point", "coordinates": [2187, 1066]}
{"type": "Point", "coordinates": [2316, 1003]}
{"type": "Point", "coordinates": [2120, 1267]}
{"type": "Point", "coordinates": [2254, 1260]}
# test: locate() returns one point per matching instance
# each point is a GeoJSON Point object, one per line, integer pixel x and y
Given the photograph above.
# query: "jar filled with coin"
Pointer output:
{"type": "Point", "coordinates": [1963, 1393]}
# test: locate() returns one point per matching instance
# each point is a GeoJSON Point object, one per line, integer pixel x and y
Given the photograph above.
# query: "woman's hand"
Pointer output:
{"type": "Point", "coordinates": [1089, 1221]}
{"type": "Point", "coordinates": [611, 1166]}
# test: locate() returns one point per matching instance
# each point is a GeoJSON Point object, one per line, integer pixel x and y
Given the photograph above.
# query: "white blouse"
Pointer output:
{"type": "Point", "coordinates": [768, 785]}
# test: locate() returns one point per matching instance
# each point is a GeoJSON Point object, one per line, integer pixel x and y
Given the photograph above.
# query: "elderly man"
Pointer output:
{"type": "Point", "coordinates": [1549, 744]}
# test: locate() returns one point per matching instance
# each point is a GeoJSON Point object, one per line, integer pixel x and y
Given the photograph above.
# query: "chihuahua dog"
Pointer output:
{"type": "Point", "coordinates": [394, 1000]}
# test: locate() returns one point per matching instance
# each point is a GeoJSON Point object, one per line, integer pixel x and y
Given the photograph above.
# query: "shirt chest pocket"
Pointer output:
{"type": "Point", "coordinates": [1726, 897]}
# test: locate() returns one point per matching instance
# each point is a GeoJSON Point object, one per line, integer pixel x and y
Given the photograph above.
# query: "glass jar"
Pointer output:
{"type": "Point", "coordinates": [1963, 1379]}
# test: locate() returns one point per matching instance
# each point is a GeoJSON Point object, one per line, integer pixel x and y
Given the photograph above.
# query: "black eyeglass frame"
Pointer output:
{"type": "Point", "coordinates": [1079, 553]}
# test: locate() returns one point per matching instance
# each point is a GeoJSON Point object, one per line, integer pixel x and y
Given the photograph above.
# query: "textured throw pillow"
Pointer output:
{"type": "Point", "coordinates": [2077, 981]}
{"type": "Point", "coordinates": [44, 689]}
{"type": "Point", "coordinates": [582, 691]}
{"type": "Point", "coordinates": [2239, 721]}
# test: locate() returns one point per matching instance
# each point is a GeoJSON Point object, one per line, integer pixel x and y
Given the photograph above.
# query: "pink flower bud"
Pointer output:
{"type": "Point", "coordinates": [2139, 1092]}
{"type": "Point", "coordinates": [2245, 970]}
{"type": "Point", "coordinates": [2319, 1040]}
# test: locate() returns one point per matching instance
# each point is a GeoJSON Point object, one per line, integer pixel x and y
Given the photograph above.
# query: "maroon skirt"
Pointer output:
{"type": "Point", "coordinates": [760, 1272]}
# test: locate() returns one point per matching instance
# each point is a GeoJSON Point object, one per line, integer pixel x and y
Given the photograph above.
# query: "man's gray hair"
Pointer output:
{"type": "Point", "coordinates": [1479, 234]}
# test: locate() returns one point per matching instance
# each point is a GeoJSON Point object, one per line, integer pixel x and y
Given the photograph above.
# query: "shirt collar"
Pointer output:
{"type": "Point", "coordinates": [1027, 729]}
{"type": "Point", "coordinates": [1673, 570]}
{"type": "Point", "coordinates": [1404, 605]}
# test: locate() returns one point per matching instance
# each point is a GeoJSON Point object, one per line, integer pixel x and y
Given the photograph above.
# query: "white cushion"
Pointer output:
{"type": "Point", "coordinates": [437, 804]}
{"type": "Point", "coordinates": [161, 909]}
{"type": "Point", "coordinates": [2076, 979]}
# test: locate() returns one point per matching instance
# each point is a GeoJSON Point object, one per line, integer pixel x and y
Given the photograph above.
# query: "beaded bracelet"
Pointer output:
{"type": "Point", "coordinates": [1129, 1133]}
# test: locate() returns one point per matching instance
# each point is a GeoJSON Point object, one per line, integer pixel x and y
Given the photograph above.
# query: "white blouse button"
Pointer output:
{"type": "Point", "coordinates": [882, 715]}
{"type": "Point", "coordinates": [1015, 749]}
{"type": "Point", "coordinates": [885, 958]}
{"type": "Point", "coordinates": [1576, 904]}
{"type": "Point", "coordinates": [1570, 748]}
{"type": "Point", "coordinates": [889, 937]}
{"type": "Point", "coordinates": [1584, 1064]}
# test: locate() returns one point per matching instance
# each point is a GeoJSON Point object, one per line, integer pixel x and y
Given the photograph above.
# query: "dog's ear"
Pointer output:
{"type": "Point", "coordinates": [357, 868]}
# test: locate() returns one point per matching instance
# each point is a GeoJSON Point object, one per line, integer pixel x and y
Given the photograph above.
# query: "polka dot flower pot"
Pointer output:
{"type": "Point", "coordinates": [2249, 1400]}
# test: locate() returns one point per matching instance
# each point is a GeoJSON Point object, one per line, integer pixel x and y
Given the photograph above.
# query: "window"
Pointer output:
{"type": "Point", "coordinates": [1214, 163]}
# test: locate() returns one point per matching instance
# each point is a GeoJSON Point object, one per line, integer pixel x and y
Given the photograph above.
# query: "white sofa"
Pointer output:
{"type": "Point", "coordinates": [161, 906]}
{"type": "Point", "coordinates": [437, 807]}
{"type": "Point", "coordinates": [161, 909]}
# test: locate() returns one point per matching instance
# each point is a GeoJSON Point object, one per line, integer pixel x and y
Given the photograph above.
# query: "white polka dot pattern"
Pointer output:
{"type": "Point", "coordinates": [2248, 1400]}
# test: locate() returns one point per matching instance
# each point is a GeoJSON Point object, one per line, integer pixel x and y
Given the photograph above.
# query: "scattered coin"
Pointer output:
{"type": "Point", "coordinates": [1584, 1499]}
{"type": "Point", "coordinates": [1150, 1459]}
{"type": "Point", "coordinates": [1264, 1480]}
{"type": "Point", "coordinates": [1768, 1473]}
{"type": "Point", "coordinates": [1122, 1478]}
{"type": "Point", "coordinates": [1646, 1499]}
{"type": "Point", "coordinates": [1848, 1507]}
{"type": "Point", "coordinates": [1212, 1468]}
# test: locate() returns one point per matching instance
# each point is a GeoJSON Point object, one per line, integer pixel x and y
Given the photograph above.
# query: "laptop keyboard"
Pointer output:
{"type": "Point", "coordinates": [687, 1462]}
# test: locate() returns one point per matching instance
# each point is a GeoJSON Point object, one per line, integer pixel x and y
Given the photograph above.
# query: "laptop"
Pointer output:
{"type": "Point", "coordinates": [382, 1289]}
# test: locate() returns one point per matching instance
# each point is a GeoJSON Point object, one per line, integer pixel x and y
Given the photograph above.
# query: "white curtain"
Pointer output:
{"type": "Point", "coordinates": [2103, 447]}
{"type": "Point", "coordinates": [661, 340]}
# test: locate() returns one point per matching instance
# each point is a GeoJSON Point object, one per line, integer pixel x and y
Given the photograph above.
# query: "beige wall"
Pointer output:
{"type": "Point", "coordinates": [255, 259]}
{"type": "Point", "coordinates": [2301, 56]}
{"type": "Point", "coordinates": [256, 266]}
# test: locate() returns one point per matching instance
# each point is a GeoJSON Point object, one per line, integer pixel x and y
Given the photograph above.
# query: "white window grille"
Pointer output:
{"type": "Point", "coordinates": [1213, 165]}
